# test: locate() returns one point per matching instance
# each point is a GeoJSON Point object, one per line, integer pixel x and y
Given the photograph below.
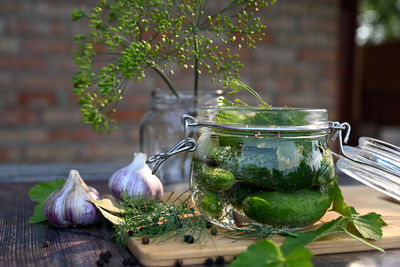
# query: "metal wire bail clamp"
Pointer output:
{"type": "Point", "coordinates": [188, 143]}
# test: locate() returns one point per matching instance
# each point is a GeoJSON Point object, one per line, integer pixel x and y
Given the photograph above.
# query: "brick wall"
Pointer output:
{"type": "Point", "coordinates": [40, 121]}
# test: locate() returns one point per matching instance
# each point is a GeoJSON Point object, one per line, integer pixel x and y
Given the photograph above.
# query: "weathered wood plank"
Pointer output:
{"type": "Point", "coordinates": [21, 243]}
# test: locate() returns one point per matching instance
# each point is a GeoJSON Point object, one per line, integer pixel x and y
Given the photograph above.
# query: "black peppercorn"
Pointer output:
{"type": "Point", "coordinates": [99, 263]}
{"type": "Point", "coordinates": [46, 244]}
{"type": "Point", "coordinates": [104, 257]}
{"type": "Point", "coordinates": [208, 225]}
{"type": "Point", "coordinates": [209, 261]}
{"type": "Point", "coordinates": [130, 232]}
{"type": "Point", "coordinates": [130, 261]}
{"type": "Point", "coordinates": [179, 263]}
{"type": "Point", "coordinates": [188, 239]}
{"type": "Point", "coordinates": [108, 253]}
{"type": "Point", "coordinates": [192, 209]}
{"type": "Point", "coordinates": [210, 162]}
{"type": "Point", "coordinates": [220, 260]}
{"type": "Point", "coordinates": [145, 240]}
{"type": "Point", "coordinates": [214, 231]}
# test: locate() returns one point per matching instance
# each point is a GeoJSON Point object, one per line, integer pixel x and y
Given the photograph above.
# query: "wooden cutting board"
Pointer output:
{"type": "Point", "coordinates": [363, 198]}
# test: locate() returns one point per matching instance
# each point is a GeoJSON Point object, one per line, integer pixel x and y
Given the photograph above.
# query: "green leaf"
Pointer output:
{"type": "Point", "coordinates": [39, 193]}
{"type": "Point", "coordinates": [368, 225]}
{"type": "Point", "coordinates": [299, 257]}
{"type": "Point", "coordinates": [77, 14]}
{"type": "Point", "coordinates": [303, 239]}
{"type": "Point", "coordinates": [338, 203]}
{"type": "Point", "coordinates": [266, 253]}
{"type": "Point", "coordinates": [38, 214]}
{"type": "Point", "coordinates": [363, 241]}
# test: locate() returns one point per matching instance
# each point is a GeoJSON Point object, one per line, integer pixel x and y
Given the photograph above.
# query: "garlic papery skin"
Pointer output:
{"type": "Point", "coordinates": [136, 179]}
{"type": "Point", "coordinates": [69, 205]}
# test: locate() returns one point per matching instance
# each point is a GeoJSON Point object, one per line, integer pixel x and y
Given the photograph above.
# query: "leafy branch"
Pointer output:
{"type": "Point", "coordinates": [153, 34]}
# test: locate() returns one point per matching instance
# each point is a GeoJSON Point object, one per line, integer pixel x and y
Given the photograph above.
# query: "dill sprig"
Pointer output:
{"type": "Point", "coordinates": [256, 231]}
{"type": "Point", "coordinates": [146, 216]}
{"type": "Point", "coordinates": [237, 86]}
{"type": "Point", "coordinates": [164, 220]}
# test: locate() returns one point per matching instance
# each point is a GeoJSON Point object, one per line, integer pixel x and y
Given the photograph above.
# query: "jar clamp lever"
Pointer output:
{"type": "Point", "coordinates": [188, 143]}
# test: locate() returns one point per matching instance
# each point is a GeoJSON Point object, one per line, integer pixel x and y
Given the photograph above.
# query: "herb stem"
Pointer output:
{"type": "Point", "coordinates": [196, 68]}
{"type": "Point", "coordinates": [363, 241]}
{"type": "Point", "coordinates": [166, 80]}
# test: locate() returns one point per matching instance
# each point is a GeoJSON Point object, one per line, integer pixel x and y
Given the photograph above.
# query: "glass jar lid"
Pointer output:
{"type": "Point", "coordinates": [273, 120]}
{"type": "Point", "coordinates": [373, 162]}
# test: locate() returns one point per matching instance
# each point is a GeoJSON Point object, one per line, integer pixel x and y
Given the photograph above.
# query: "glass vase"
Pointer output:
{"type": "Point", "coordinates": [161, 127]}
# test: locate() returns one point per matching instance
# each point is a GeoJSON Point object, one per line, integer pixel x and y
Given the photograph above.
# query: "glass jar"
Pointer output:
{"type": "Point", "coordinates": [263, 166]}
{"type": "Point", "coordinates": [160, 128]}
{"type": "Point", "coordinates": [274, 166]}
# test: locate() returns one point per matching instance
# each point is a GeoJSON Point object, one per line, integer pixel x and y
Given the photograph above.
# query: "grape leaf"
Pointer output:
{"type": "Point", "coordinates": [338, 203]}
{"type": "Point", "coordinates": [266, 253]}
{"type": "Point", "coordinates": [303, 239]}
{"type": "Point", "coordinates": [368, 225]}
{"type": "Point", "coordinates": [39, 193]}
{"type": "Point", "coordinates": [38, 214]}
{"type": "Point", "coordinates": [300, 256]}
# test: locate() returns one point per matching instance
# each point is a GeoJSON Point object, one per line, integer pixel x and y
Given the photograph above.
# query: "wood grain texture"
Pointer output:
{"type": "Point", "coordinates": [21, 243]}
{"type": "Point", "coordinates": [363, 198]}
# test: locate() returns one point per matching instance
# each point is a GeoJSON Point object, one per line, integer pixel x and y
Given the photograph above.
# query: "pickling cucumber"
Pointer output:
{"type": "Point", "coordinates": [288, 210]}
{"type": "Point", "coordinates": [211, 203]}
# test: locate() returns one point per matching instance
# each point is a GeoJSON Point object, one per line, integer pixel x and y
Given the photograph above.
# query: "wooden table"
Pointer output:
{"type": "Point", "coordinates": [21, 243]}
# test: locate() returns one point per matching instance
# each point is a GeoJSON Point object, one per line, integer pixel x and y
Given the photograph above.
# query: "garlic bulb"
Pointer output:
{"type": "Point", "coordinates": [69, 206]}
{"type": "Point", "coordinates": [135, 179]}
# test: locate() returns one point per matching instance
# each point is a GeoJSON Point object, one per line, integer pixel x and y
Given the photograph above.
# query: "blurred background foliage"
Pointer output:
{"type": "Point", "coordinates": [378, 21]}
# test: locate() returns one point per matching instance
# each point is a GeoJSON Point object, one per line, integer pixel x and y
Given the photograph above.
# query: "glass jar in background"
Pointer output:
{"type": "Point", "coordinates": [161, 128]}
{"type": "Point", "coordinates": [266, 166]}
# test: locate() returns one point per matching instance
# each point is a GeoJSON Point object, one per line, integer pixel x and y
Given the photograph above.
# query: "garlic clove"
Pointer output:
{"type": "Point", "coordinates": [136, 179]}
{"type": "Point", "coordinates": [69, 206]}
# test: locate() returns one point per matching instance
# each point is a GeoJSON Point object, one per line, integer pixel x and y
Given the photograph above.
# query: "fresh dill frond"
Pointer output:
{"type": "Point", "coordinates": [154, 218]}
{"type": "Point", "coordinates": [237, 86]}
{"type": "Point", "coordinates": [256, 231]}
{"type": "Point", "coordinates": [146, 216]}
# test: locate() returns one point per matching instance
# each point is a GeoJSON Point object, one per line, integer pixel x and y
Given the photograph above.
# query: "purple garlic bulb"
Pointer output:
{"type": "Point", "coordinates": [136, 179]}
{"type": "Point", "coordinates": [69, 206]}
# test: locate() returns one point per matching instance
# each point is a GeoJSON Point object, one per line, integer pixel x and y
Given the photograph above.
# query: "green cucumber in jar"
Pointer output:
{"type": "Point", "coordinates": [210, 203]}
{"type": "Point", "coordinates": [216, 179]}
{"type": "Point", "coordinates": [289, 210]}
{"type": "Point", "coordinates": [262, 167]}
{"type": "Point", "coordinates": [213, 179]}
{"type": "Point", "coordinates": [238, 192]}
